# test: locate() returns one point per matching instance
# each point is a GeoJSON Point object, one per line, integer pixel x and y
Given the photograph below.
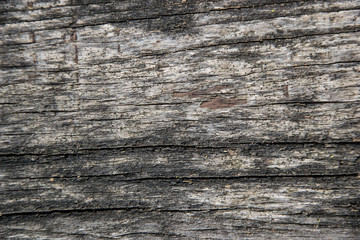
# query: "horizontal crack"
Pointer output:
{"type": "Point", "coordinates": [245, 177]}
{"type": "Point", "coordinates": [184, 178]}
{"type": "Point", "coordinates": [84, 151]}
{"type": "Point", "coordinates": [79, 210]}
{"type": "Point", "coordinates": [302, 103]}
{"type": "Point", "coordinates": [151, 233]}
{"type": "Point", "coordinates": [90, 210]}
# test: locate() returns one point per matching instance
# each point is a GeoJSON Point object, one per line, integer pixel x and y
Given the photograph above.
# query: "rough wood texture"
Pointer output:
{"type": "Point", "coordinates": [180, 119]}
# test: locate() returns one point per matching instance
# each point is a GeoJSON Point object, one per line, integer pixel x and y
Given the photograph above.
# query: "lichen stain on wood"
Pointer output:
{"type": "Point", "coordinates": [221, 102]}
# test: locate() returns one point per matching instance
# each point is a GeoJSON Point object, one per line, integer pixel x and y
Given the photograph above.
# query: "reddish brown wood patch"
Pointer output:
{"type": "Point", "coordinates": [215, 101]}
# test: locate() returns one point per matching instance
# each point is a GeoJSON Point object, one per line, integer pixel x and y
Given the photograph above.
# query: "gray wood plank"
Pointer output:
{"type": "Point", "coordinates": [179, 119]}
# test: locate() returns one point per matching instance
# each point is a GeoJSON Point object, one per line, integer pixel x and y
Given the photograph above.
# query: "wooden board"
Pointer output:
{"type": "Point", "coordinates": [179, 119]}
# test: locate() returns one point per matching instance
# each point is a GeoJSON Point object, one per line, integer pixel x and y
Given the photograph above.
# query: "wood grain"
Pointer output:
{"type": "Point", "coordinates": [179, 119]}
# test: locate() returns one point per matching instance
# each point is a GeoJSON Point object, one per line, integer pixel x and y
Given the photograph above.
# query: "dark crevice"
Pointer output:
{"type": "Point", "coordinates": [158, 104]}
{"type": "Point", "coordinates": [129, 209]}
{"type": "Point", "coordinates": [203, 178]}
{"type": "Point", "coordinates": [85, 151]}
{"type": "Point", "coordinates": [64, 211]}
{"type": "Point", "coordinates": [245, 177]}
{"type": "Point", "coordinates": [47, 111]}
{"type": "Point", "coordinates": [151, 233]}
{"type": "Point", "coordinates": [75, 177]}
{"type": "Point", "coordinates": [205, 229]}
{"type": "Point", "coordinates": [302, 103]}
{"type": "Point", "coordinates": [158, 210]}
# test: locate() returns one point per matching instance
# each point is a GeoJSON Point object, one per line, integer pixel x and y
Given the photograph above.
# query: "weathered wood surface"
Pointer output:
{"type": "Point", "coordinates": [180, 119]}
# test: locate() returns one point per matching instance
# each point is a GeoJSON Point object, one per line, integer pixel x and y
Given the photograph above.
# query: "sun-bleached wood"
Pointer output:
{"type": "Point", "coordinates": [179, 119]}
